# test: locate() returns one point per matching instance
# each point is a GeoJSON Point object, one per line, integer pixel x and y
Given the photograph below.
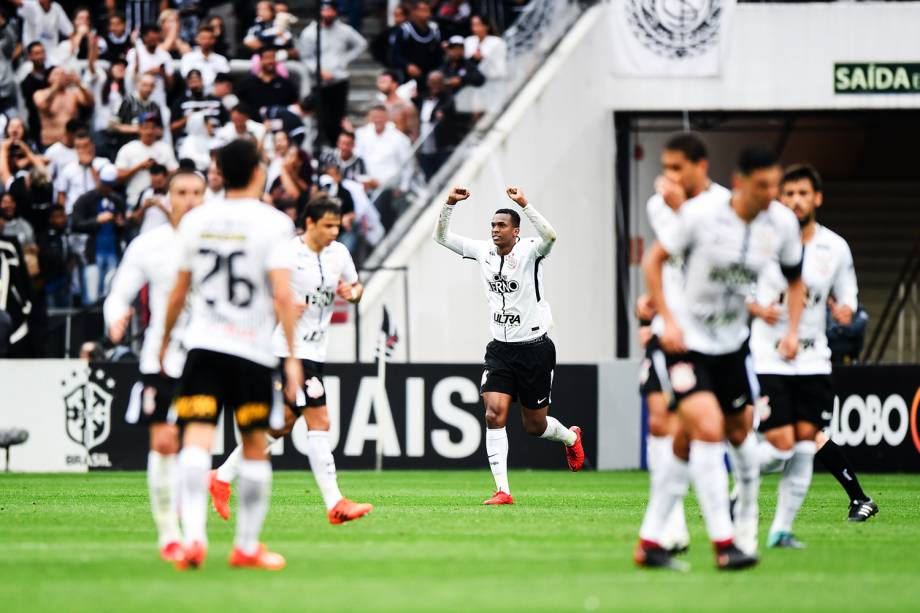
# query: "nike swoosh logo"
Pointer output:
{"type": "Point", "coordinates": [542, 400]}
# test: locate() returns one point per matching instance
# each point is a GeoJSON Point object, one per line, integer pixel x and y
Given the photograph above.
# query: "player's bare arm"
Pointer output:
{"type": "Point", "coordinates": [541, 225]}
{"type": "Point", "coordinates": [789, 346]}
{"type": "Point", "coordinates": [352, 292]}
{"type": "Point", "coordinates": [285, 311]}
{"type": "Point", "coordinates": [770, 313]}
{"type": "Point", "coordinates": [174, 308]}
{"type": "Point", "coordinates": [672, 339]}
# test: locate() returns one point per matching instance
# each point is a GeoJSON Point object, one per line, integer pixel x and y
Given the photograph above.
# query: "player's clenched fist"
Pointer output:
{"type": "Point", "coordinates": [517, 194]}
{"type": "Point", "coordinates": [457, 194]}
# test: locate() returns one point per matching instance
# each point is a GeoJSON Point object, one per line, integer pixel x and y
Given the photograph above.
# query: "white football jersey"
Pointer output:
{"type": "Point", "coordinates": [827, 269]}
{"type": "Point", "coordinates": [152, 257]}
{"type": "Point", "coordinates": [660, 216]}
{"type": "Point", "coordinates": [514, 288]}
{"type": "Point", "coordinates": [723, 258]}
{"type": "Point", "coordinates": [229, 246]}
{"type": "Point", "coordinates": [315, 278]}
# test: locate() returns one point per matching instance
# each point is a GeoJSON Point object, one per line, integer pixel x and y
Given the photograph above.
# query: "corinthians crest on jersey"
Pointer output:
{"type": "Point", "coordinates": [676, 29]}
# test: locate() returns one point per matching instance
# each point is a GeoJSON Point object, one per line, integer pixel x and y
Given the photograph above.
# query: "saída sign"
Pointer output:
{"type": "Point", "coordinates": [875, 78]}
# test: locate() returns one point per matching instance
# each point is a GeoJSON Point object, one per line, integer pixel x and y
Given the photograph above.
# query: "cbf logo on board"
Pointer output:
{"type": "Point", "coordinates": [88, 398]}
{"type": "Point", "coordinates": [676, 29]}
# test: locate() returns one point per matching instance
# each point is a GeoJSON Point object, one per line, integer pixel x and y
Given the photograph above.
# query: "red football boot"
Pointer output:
{"type": "Point", "coordinates": [193, 556]}
{"type": "Point", "coordinates": [263, 558]}
{"type": "Point", "coordinates": [172, 552]}
{"type": "Point", "coordinates": [500, 497]}
{"type": "Point", "coordinates": [220, 495]}
{"type": "Point", "coordinates": [346, 510]}
{"type": "Point", "coordinates": [575, 455]}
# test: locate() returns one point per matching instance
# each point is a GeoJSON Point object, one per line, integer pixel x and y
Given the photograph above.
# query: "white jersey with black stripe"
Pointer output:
{"type": "Point", "coordinates": [724, 256]}
{"type": "Point", "coordinates": [314, 279]}
{"type": "Point", "coordinates": [827, 269]}
{"type": "Point", "coordinates": [660, 216]}
{"type": "Point", "coordinates": [230, 246]}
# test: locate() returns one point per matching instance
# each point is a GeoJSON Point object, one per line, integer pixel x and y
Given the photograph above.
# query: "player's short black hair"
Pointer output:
{"type": "Point", "coordinates": [756, 157]}
{"type": "Point", "coordinates": [797, 172]}
{"type": "Point", "coordinates": [237, 162]}
{"type": "Point", "coordinates": [321, 204]}
{"type": "Point", "coordinates": [157, 169]}
{"type": "Point", "coordinates": [515, 217]}
{"type": "Point", "coordinates": [690, 144]}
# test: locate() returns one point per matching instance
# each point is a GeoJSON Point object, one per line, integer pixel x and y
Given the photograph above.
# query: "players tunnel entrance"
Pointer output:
{"type": "Point", "coordinates": [871, 192]}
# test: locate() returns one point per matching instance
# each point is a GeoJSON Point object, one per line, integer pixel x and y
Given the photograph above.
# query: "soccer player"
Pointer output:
{"type": "Point", "coordinates": [800, 392]}
{"type": "Point", "coordinates": [324, 269]}
{"type": "Point", "coordinates": [519, 361]}
{"type": "Point", "coordinates": [153, 258]}
{"type": "Point", "coordinates": [685, 175]}
{"type": "Point", "coordinates": [727, 243]}
{"type": "Point", "coordinates": [235, 264]}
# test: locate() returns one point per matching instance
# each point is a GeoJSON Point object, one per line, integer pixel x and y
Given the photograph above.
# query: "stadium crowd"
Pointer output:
{"type": "Point", "coordinates": [100, 101]}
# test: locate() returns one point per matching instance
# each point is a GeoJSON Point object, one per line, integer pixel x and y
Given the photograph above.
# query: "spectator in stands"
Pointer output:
{"type": "Point", "coordinates": [136, 157]}
{"type": "Point", "coordinates": [265, 33]}
{"type": "Point", "coordinates": [80, 175]}
{"type": "Point", "coordinates": [36, 80]}
{"type": "Point", "coordinates": [341, 44]}
{"type": "Point", "coordinates": [56, 259]}
{"type": "Point", "coordinates": [63, 100]}
{"type": "Point", "coordinates": [189, 14]}
{"type": "Point", "coordinates": [16, 131]}
{"type": "Point", "coordinates": [62, 153]}
{"type": "Point", "coordinates": [402, 112]}
{"type": "Point", "coordinates": [242, 125]}
{"type": "Point", "coordinates": [83, 43]}
{"type": "Point", "coordinates": [15, 225]}
{"type": "Point", "coordinates": [459, 72]}
{"type": "Point", "coordinates": [223, 91]}
{"type": "Point", "coordinates": [148, 58]}
{"type": "Point", "coordinates": [290, 120]}
{"type": "Point", "coordinates": [204, 59]}
{"type": "Point", "coordinates": [384, 149]}
{"type": "Point", "coordinates": [453, 17]}
{"type": "Point", "coordinates": [138, 104]}
{"type": "Point", "coordinates": [216, 23]}
{"type": "Point", "coordinates": [140, 13]}
{"type": "Point", "coordinates": [491, 54]}
{"type": "Point", "coordinates": [417, 49]}
{"type": "Point", "coordinates": [100, 213]}
{"type": "Point", "coordinates": [25, 176]}
{"type": "Point", "coordinates": [343, 157]}
{"type": "Point", "coordinates": [442, 129]}
{"type": "Point", "coordinates": [171, 34]}
{"type": "Point", "coordinates": [194, 151]}
{"type": "Point", "coordinates": [293, 183]}
{"type": "Point", "coordinates": [282, 145]}
{"type": "Point", "coordinates": [43, 21]}
{"type": "Point", "coordinates": [195, 100]}
{"type": "Point", "coordinates": [382, 45]}
{"type": "Point", "coordinates": [117, 39]}
{"type": "Point", "coordinates": [7, 79]}
{"type": "Point", "coordinates": [109, 93]}
{"type": "Point", "coordinates": [215, 188]}
{"type": "Point", "coordinates": [152, 207]}
{"type": "Point", "coordinates": [267, 88]}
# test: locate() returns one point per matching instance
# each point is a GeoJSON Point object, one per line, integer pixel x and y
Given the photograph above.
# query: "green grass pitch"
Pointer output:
{"type": "Point", "coordinates": [87, 543]}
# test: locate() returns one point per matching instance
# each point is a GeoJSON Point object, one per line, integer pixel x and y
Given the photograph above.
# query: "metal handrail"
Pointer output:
{"type": "Point", "coordinates": [888, 318]}
{"type": "Point", "coordinates": [899, 287]}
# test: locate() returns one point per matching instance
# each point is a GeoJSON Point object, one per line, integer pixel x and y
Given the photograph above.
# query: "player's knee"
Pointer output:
{"type": "Point", "coordinates": [165, 440]}
{"type": "Point", "coordinates": [736, 436]}
{"type": "Point", "coordinates": [317, 419]}
{"type": "Point", "coordinates": [781, 438]}
{"type": "Point", "coordinates": [494, 417]}
{"type": "Point", "coordinates": [657, 420]}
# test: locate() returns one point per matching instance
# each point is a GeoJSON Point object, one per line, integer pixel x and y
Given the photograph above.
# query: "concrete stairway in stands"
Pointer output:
{"type": "Point", "coordinates": [881, 222]}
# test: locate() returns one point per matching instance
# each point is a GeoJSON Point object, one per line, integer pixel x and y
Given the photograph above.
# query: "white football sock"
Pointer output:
{"type": "Point", "coordinates": [746, 471]}
{"type": "Point", "coordinates": [162, 482]}
{"type": "Point", "coordinates": [227, 471]}
{"type": "Point", "coordinates": [323, 466]}
{"type": "Point", "coordinates": [671, 480]}
{"type": "Point", "coordinates": [771, 459]}
{"type": "Point", "coordinates": [657, 450]}
{"type": "Point", "coordinates": [793, 486]}
{"type": "Point", "coordinates": [710, 481]}
{"type": "Point", "coordinates": [194, 464]}
{"type": "Point", "coordinates": [555, 431]}
{"type": "Point", "coordinates": [497, 450]}
{"type": "Point", "coordinates": [254, 487]}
